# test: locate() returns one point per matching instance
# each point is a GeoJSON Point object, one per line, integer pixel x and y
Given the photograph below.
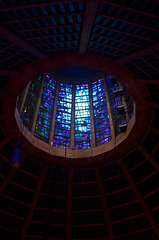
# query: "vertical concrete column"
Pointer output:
{"type": "Point", "coordinates": [72, 139]}
{"type": "Point", "coordinates": [111, 119]}
{"type": "Point", "coordinates": [93, 141]}
{"type": "Point", "coordinates": [124, 102]}
{"type": "Point", "coordinates": [38, 104]}
{"type": "Point", "coordinates": [28, 218]}
{"type": "Point", "coordinates": [25, 92]}
{"type": "Point", "coordinates": [104, 203]}
{"type": "Point", "coordinates": [52, 130]}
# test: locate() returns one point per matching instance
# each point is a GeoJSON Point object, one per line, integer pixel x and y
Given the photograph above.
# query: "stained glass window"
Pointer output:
{"type": "Point", "coordinates": [28, 110]}
{"type": "Point", "coordinates": [82, 117]}
{"type": "Point", "coordinates": [65, 121]}
{"type": "Point", "coordinates": [101, 116]}
{"type": "Point", "coordinates": [63, 116]}
{"type": "Point", "coordinates": [43, 124]}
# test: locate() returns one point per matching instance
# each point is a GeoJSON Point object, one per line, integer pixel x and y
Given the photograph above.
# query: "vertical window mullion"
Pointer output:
{"type": "Point", "coordinates": [37, 105]}
{"type": "Point", "coordinates": [72, 143]}
{"type": "Point", "coordinates": [25, 92]}
{"type": "Point", "coordinates": [111, 120]}
{"type": "Point", "coordinates": [93, 139]}
{"type": "Point", "coordinates": [52, 130]}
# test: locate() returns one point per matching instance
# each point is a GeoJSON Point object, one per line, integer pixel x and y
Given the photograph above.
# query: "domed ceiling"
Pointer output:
{"type": "Point", "coordinates": [115, 194]}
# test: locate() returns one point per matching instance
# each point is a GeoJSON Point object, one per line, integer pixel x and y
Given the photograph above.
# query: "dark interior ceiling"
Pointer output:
{"type": "Point", "coordinates": [117, 198]}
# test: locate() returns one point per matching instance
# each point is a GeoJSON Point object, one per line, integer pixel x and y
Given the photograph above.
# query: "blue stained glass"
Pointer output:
{"type": "Point", "coordinates": [120, 101]}
{"type": "Point", "coordinates": [101, 117]}
{"type": "Point", "coordinates": [63, 116]}
{"type": "Point", "coordinates": [29, 105]}
{"type": "Point", "coordinates": [43, 124]}
{"type": "Point", "coordinates": [82, 117]}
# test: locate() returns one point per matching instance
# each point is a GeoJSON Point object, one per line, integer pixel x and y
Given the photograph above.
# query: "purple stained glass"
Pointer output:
{"type": "Point", "coordinates": [43, 124]}
{"type": "Point", "coordinates": [29, 105]}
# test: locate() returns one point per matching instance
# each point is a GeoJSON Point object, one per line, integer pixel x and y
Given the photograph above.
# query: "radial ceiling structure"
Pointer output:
{"type": "Point", "coordinates": [115, 194]}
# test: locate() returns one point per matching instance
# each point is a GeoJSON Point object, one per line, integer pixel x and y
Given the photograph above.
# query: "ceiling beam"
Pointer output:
{"type": "Point", "coordinates": [130, 9]}
{"type": "Point", "coordinates": [151, 193]}
{"type": "Point", "coordinates": [139, 197]}
{"type": "Point", "coordinates": [6, 159]}
{"type": "Point", "coordinates": [147, 155]}
{"type": "Point", "coordinates": [42, 17]}
{"type": "Point", "coordinates": [5, 141]}
{"type": "Point", "coordinates": [59, 49]}
{"type": "Point", "coordinates": [104, 203]}
{"type": "Point", "coordinates": [59, 42]}
{"type": "Point", "coordinates": [5, 48]}
{"type": "Point", "coordinates": [88, 225]}
{"type": "Point", "coordinates": [19, 61]}
{"type": "Point", "coordinates": [146, 178]}
{"type": "Point", "coordinates": [153, 104]}
{"type": "Point", "coordinates": [123, 204]}
{"type": "Point", "coordinates": [148, 81]}
{"type": "Point", "coordinates": [128, 22]}
{"type": "Point", "coordinates": [49, 219]}
{"type": "Point", "coordinates": [42, 4]}
{"type": "Point", "coordinates": [6, 229]}
{"type": "Point", "coordinates": [103, 51]}
{"type": "Point", "coordinates": [155, 55]}
{"type": "Point", "coordinates": [8, 73]}
{"type": "Point", "coordinates": [149, 64]}
{"type": "Point", "coordinates": [137, 66]}
{"type": "Point", "coordinates": [15, 39]}
{"type": "Point", "coordinates": [2, 115]}
{"type": "Point", "coordinates": [89, 210]}
{"type": "Point", "coordinates": [11, 56]}
{"type": "Point", "coordinates": [116, 40]}
{"type": "Point", "coordinates": [128, 218]}
{"type": "Point", "coordinates": [123, 32]}
{"type": "Point", "coordinates": [48, 27]}
{"type": "Point", "coordinates": [54, 35]}
{"type": "Point", "coordinates": [34, 201]}
{"type": "Point", "coordinates": [90, 13]}
{"type": "Point", "coordinates": [109, 46]}
{"type": "Point", "coordinates": [138, 54]}
{"type": "Point", "coordinates": [7, 180]}
{"type": "Point", "coordinates": [69, 203]}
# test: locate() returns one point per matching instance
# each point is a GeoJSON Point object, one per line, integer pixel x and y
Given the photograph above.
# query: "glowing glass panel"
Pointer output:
{"type": "Point", "coordinates": [82, 117]}
{"type": "Point", "coordinates": [43, 124]}
{"type": "Point", "coordinates": [101, 117]}
{"type": "Point", "coordinates": [63, 116]}
{"type": "Point", "coordinates": [28, 110]}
